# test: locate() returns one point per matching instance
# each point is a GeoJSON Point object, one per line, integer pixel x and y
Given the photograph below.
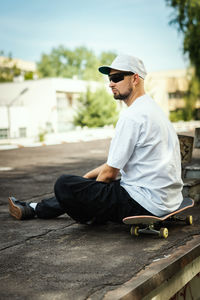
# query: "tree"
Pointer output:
{"type": "Point", "coordinates": [96, 109]}
{"type": "Point", "coordinates": [106, 58]}
{"type": "Point", "coordinates": [187, 19]}
{"type": "Point", "coordinates": [191, 97]}
{"type": "Point", "coordinates": [80, 62]}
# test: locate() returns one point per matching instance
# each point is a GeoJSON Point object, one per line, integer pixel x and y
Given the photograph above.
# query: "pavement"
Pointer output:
{"type": "Point", "coordinates": [72, 136]}
{"type": "Point", "coordinates": [60, 259]}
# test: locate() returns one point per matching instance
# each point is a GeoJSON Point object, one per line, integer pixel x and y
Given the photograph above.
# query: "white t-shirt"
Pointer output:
{"type": "Point", "coordinates": [146, 150]}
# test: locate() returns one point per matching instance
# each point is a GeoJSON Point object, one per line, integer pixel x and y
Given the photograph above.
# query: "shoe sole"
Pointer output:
{"type": "Point", "coordinates": [15, 211]}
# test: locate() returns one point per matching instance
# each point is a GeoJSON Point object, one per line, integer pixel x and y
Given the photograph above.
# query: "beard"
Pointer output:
{"type": "Point", "coordinates": [124, 96]}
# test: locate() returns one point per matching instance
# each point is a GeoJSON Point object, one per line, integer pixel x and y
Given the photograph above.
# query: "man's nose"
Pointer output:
{"type": "Point", "coordinates": [111, 84]}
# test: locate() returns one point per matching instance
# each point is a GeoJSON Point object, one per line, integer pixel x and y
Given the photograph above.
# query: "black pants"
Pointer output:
{"type": "Point", "coordinates": [86, 200]}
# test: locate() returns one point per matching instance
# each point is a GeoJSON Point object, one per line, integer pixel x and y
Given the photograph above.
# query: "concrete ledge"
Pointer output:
{"type": "Point", "coordinates": [191, 188]}
{"type": "Point", "coordinates": [192, 171]}
{"type": "Point", "coordinates": [160, 273]}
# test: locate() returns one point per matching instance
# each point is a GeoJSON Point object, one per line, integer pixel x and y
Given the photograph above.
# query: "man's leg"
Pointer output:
{"type": "Point", "coordinates": [86, 199]}
{"type": "Point", "coordinates": [46, 209]}
{"type": "Point", "coordinates": [79, 197]}
{"type": "Point", "coordinates": [49, 208]}
{"type": "Point", "coordinates": [83, 199]}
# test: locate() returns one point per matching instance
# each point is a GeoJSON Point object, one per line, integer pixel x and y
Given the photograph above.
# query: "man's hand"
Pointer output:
{"type": "Point", "coordinates": [107, 174]}
{"type": "Point", "coordinates": [93, 174]}
{"type": "Point", "coordinates": [103, 173]}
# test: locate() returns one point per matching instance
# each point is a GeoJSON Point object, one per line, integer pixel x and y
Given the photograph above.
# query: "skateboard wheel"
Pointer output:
{"type": "Point", "coordinates": [189, 220]}
{"type": "Point", "coordinates": [134, 230]}
{"type": "Point", "coordinates": [163, 232]}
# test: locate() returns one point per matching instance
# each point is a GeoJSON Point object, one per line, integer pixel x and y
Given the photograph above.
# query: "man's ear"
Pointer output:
{"type": "Point", "coordinates": [136, 79]}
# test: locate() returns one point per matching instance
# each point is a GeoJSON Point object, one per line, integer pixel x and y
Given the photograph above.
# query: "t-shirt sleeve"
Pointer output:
{"type": "Point", "coordinates": [123, 144]}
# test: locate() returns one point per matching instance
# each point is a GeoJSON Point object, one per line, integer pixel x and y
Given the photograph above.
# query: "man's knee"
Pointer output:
{"type": "Point", "coordinates": [62, 189]}
{"type": "Point", "coordinates": [61, 182]}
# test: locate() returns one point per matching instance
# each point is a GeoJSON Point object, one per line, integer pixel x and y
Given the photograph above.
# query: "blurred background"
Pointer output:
{"type": "Point", "coordinates": [50, 51]}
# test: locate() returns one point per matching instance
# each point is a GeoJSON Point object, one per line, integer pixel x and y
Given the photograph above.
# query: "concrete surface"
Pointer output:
{"type": "Point", "coordinates": [165, 276]}
{"type": "Point", "coordinates": [59, 259]}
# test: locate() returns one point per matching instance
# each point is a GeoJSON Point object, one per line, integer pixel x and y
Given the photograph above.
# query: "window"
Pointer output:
{"type": "Point", "coordinates": [176, 95]}
{"type": "Point", "coordinates": [3, 133]}
{"type": "Point", "coordinates": [22, 132]}
{"type": "Point", "coordinates": [49, 127]}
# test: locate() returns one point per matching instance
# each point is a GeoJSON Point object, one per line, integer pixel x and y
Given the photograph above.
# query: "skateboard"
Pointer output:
{"type": "Point", "coordinates": [153, 225]}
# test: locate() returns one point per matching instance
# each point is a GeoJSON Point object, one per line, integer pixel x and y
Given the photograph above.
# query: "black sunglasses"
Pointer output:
{"type": "Point", "coordinates": [119, 76]}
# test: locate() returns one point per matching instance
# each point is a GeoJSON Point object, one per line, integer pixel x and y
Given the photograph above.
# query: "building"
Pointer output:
{"type": "Point", "coordinates": [33, 107]}
{"type": "Point", "coordinates": [168, 88]}
{"type": "Point", "coordinates": [27, 66]}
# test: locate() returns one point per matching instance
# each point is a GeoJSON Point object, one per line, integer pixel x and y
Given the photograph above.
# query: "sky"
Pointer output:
{"type": "Point", "coordinates": [137, 27]}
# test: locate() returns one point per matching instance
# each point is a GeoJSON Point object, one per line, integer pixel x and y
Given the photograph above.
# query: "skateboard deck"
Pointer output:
{"type": "Point", "coordinates": [146, 223]}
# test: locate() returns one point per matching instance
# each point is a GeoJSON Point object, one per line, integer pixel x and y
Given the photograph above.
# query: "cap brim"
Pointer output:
{"type": "Point", "coordinates": [105, 70]}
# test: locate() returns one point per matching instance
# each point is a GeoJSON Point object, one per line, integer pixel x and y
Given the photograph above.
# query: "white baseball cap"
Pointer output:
{"type": "Point", "coordinates": [126, 63]}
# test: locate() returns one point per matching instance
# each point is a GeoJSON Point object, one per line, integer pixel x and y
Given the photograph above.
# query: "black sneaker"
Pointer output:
{"type": "Point", "coordinates": [20, 210]}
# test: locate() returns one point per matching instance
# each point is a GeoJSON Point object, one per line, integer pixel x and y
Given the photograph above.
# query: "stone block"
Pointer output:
{"type": "Point", "coordinates": [197, 138]}
{"type": "Point", "coordinates": [186, 147]}
{"type": "Point", "coordinates": [191, 189]}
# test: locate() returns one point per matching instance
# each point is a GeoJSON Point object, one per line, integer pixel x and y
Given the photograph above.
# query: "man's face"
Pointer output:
{"type": "Point", "coordinates": [123, 88]}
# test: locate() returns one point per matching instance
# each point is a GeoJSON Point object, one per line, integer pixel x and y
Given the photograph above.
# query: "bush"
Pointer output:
{"type": "Point", "coordinates": [177, 115]}
{"type": "Point", "coordinates": [96, 109]}
{"type": "Point", "coordinates": [185, 114]}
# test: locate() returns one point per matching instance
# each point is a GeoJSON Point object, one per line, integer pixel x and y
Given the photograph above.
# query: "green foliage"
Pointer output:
{"type": "Point", "coordinates": [187, 18]}
{"type": "Point", "coordinates": [183, 114]}
{"type": "Point", "coordinates": [96, 109]}
{"type": "Point", "coordinates": [80, 62]}
{"type": "Point", "coordinates": [41, 135]}
{"type": "Point", "coordinates": [177, 115]}
{"type": "Point", "coordinates": [28, 75]}
{"type": "Point", "coordinates": [188, 112]}
{"type": "Point", "coordinates": [106, 58]}
{"type": "Point", "coordinates": [191, 97]}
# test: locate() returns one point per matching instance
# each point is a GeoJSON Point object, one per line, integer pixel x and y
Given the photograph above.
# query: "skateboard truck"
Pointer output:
{"type": "Point", "coordinates": [149, 229]}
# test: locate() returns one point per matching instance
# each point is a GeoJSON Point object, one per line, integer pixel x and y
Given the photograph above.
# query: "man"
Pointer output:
{"type": "Point", "coordinates": [145, 150]}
